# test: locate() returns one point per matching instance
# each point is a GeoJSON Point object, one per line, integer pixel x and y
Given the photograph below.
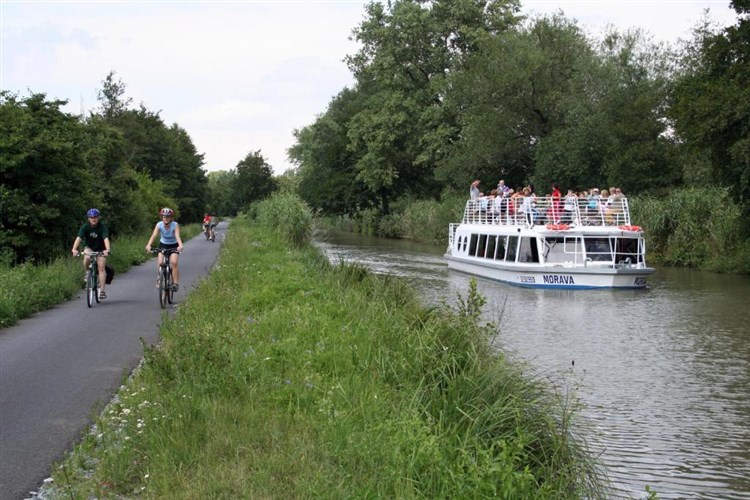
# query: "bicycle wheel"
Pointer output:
{"type": "Point", "coordinates": [162, 287]}
{"type": "Point", "coordinates": [96, 286]}
{"type": "Point", "coordinates": [170, 293]}
{"type": "Point", "coordinates": [90, 288]}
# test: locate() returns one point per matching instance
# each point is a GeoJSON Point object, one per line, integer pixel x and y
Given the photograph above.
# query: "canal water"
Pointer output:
{"type": "Point", "coordinates": [663, 373]}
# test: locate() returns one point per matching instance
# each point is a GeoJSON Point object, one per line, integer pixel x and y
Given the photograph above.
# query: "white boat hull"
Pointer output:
{"type": "Point", "coordinates": [561, 277]}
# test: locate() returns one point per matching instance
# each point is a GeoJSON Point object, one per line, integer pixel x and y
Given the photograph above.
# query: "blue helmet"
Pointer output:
{"type": "Point", "coordinates": [93, 212]}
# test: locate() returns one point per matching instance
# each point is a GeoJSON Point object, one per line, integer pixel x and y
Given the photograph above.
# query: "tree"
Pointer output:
{"type": "Point", "coordinates": [408, 50]}
{"type": "Point", "coordinates": [253, 180]}
{"type": "Point", "coordinates": [219, 190]}
{"type": "Point", "coordinates": [326, 162]}
{"type": "Point", "coordinates": [511, 96]}
{"type": "Point", "coordinates": [111, 99]}
{"type": "Point", "coordinates": [613, 128]}
{"type": "Point", "coordinates": [45, 187]}
{"type": "Point", "coordinates": [711, 104]}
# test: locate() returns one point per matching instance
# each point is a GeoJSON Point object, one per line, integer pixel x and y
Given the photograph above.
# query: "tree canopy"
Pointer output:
{"type": "Point", "coordinates": [450, 91]}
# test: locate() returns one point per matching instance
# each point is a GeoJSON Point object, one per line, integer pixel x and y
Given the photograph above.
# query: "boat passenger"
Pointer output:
{"type": "Point", "coordinates": [555, 206]}
{"type": "Point", "coordinates": [569, 209]}
{"type": "Point", "coordinates": [527, 206]}
{"type": "Point", "coordinates": [474, 190]}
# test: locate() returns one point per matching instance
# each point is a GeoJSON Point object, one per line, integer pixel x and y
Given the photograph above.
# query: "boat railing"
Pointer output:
{"type": "Point", "coordinates": [528, 211]}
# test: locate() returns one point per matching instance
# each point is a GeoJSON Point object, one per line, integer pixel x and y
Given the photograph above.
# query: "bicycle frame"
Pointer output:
{"type": "Point", "coordinates": [92, 278]}
{"type": "Point", "coordinates": [165, 276]}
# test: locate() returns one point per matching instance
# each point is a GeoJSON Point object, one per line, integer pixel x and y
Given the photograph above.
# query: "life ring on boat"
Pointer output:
{"type": "Point", "coordinates": [630, 228]}
{"type": "Point", "coordinates": [557, 227]}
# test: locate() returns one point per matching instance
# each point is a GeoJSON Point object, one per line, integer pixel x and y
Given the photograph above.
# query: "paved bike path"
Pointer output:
{"type": "Point", "coordinates": [61, 366]}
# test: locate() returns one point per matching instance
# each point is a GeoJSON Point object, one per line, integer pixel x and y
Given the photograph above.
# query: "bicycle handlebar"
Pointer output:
{"type": "Point", "coordinates": [165, 251]}
{"type": "Point", "coordinates": [91, 254]}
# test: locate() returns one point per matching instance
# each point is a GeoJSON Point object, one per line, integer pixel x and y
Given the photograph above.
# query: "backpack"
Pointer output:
{"type": "Point", "coordinates": [110, 274]}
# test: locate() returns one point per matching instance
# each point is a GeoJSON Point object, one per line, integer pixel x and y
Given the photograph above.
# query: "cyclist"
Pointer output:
{"type": "Point", "coordinates": [95, 238]}
{"type": "Point", "coordinates": [169, 237]}
{"type": "Point", "coordinates": [213, 222]}
{"type": "Point", "coordinates": [206, 222]}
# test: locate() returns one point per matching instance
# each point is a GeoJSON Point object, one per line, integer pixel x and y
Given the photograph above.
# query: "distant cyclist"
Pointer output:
{"type": "Point", "coordinates": [206, 225]}
{"type": "Point", "coordinates": [95, 238]}
{"type": "Point", "coordinates": [169, 238]}
{"type": "Point", "coordinates": [213, 222]}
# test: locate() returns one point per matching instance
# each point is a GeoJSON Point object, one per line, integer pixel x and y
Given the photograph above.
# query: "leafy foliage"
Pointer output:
{"type": "Point", "coordinates": [44, 185]}
{"type": "Point", "coordinates": [54, 166]}
{"type": "Point", "coordinates": [253, 180]}
{"type": "Point", "coordinates": [447, 92]}
{"type": "Point", "coordinates": [711, 104]}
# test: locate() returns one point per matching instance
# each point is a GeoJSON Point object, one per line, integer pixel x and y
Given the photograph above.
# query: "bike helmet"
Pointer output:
{"type": "Point", "coordinates": [166, 212]}
{"type": "Point", "coordinates": [93, 212]}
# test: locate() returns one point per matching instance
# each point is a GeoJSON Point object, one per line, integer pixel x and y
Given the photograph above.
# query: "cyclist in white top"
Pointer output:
{"type": "Point", "coordinates": [169, 231]}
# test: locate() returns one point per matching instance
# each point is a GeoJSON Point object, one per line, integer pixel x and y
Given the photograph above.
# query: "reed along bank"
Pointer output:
{"type": "Point", "coordinates": [285, 376]}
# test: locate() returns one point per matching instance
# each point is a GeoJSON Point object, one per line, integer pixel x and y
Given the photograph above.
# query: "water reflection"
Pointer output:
{"type": "Point", "coordinates": [664, 372]}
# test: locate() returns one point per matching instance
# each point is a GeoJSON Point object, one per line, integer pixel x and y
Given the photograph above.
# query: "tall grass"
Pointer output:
{"type": "Point", "coordinates": [427, 220]}
{"type": "Point", "coordinates": [30, 288]}
{"type": "Point", "coordinates": [694, 227]}
{"type": "Point", "coordinates": [286, 214]}
{"type": "Point", "coordinates": [283, 376]}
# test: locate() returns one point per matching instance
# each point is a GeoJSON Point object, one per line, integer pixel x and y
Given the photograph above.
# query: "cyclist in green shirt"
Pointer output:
{"type": "Point", "coordinates": [95, 238]}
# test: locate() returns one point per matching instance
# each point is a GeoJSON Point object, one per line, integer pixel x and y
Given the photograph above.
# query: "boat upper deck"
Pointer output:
{"type": "Point", "coordinates": [528, 211]}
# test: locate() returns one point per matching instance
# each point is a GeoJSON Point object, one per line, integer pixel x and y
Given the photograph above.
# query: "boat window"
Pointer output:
{"type": "Point", "coordinates": [491, 244]}
{"type": "Point", "coordinates": [627, 251]}
{"type": "Point", "coordinates": [512, 248]}
{"type": "Point", "coordinates": [500, 254]}
{"type": "Point", "coordinates": [466, 240]}
{"type": "Point", "coordinates": [482, 245]}
{"type": "Point", "coordinates": [598, 249]}
{"type": "Point", "coordinates": [554, 249]}
{"type": "Point", "coordinates": [473, 244]}
{"type": "Point", "coordinates": [528, 252]}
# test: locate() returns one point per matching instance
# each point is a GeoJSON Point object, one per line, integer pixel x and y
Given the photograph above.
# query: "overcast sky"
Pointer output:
{"type": "Point", "coordinates": [238, 75]}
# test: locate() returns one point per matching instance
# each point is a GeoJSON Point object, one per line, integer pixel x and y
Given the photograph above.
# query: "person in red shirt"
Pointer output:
{"type": "Point", "coordinates": [206, 222]}
{"type": "Point", "coordinates": [556, 208]}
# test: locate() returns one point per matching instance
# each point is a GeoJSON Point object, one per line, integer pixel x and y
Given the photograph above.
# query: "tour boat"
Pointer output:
{"type": "Point", "coordinates": [543, 245]}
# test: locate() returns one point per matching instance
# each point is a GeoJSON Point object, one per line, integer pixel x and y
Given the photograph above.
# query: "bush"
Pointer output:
{"type": "Point", "coordinates": [287, 215]}
{"type": "Point", "coordinates": [692, 227]}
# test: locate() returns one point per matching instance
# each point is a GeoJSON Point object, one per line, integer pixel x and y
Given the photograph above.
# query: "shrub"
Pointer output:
{"type": "Point", "coordinates": [287, 215]}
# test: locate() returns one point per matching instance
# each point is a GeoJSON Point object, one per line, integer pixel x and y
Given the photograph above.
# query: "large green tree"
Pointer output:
{"type": "Point", "coordinates": [408, 50]}
{"type": "Point", "coordinates": [45, 187]}
{"type": "Point", "coordinates": [253, 180]}
{"type": "Point", "coordinates": [612, 129]}
{"type": "Point", "coordinates": [711, 105]}
{"type": "Point", "coordinates": [327, 165]}
{"type": "Point", "coordinates": [166, 154]}
{"type": "Point", "coordinates": [512, 94]}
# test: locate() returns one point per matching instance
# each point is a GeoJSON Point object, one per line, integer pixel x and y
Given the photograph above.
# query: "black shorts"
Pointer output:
{"type": "Point", "coordinates": [168, 246]}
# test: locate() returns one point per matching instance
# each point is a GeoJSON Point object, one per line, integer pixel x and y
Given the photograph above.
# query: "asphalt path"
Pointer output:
{"type": "Point", "coordinates": [60, 367]}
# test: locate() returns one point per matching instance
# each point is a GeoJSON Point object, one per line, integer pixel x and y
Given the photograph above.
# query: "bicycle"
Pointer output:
{"type": "Point", "coordinates": [166, 283]}
{"type": "Point", "coordinates": [92, 278]}
{"type": "Point", "coordinates": [213, 232]}
{"type": "Point", "coordinates": [207, 231]}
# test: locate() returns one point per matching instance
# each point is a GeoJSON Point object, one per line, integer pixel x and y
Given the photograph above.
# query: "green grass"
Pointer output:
{"type": "Point", "coordinates": [31, 288]}
{"type": "Point", "coordinates": [285, 377]}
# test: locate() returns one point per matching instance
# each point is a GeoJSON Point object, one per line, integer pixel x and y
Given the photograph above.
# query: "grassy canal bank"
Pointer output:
{"type": "Point", "coordinates": [283, 376]}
